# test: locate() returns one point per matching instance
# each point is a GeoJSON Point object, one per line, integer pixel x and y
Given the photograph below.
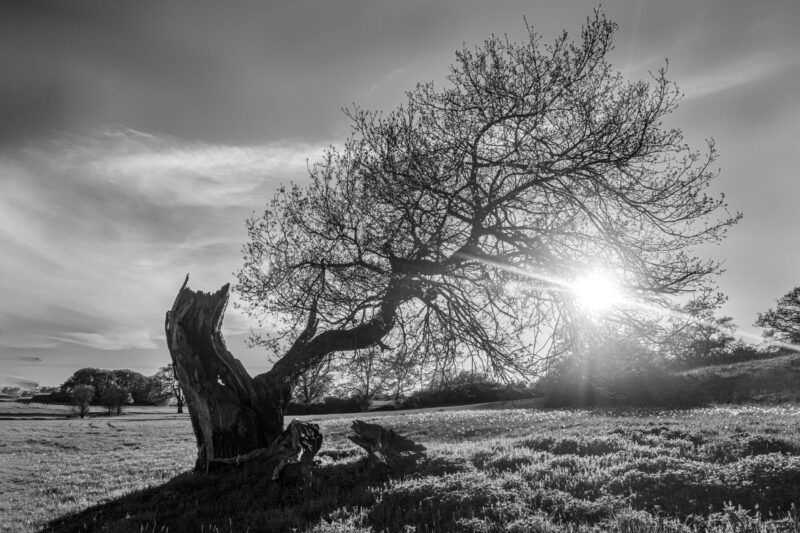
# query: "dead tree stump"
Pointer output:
{"type": "Point", "coordinates": [232, 413]}
{"type": "Point", "coordinates": [295, 450]}
{"type": "Point", "coordinates": [381, 444]}
{"type": "Point", "coordinates": [290, 456]}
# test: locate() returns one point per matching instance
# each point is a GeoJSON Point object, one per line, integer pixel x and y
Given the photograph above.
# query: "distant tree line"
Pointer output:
{"type": "Point", "coordinates": [13, 392]}
{"type": "Point", "coordinates": [114, 389]}
{"type": "Point", "coordinates": [359, 388]}
{"type": "Point", "coordinates": [468, 388]}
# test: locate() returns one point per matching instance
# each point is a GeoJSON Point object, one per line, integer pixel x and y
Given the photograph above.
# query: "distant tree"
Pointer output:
{"type": "Point", "coordinates": [10, 391]}
{"type": "Point", "coordinates": [468, 387]}
{"type": "Point", "coordinates": [365, 373]}
{"type": "Point", "coordinates": [702, 342]}
{"type": "Point", "coordinates": [144, 390]}
{"type": "Point", "coordinates": [532, 164]}
{"type": "Point", "coordinates": [114, 398]}
{"type": "Point", "coordinates": [95, 377]}
{"type": "Point", "coordinates": [170, 386]}
{"type": "Point", "coordinates": [405, 369]}
{"type": "Point", "coordinates": [314, 384]}
{"type": "Point", "coordinates": [82, 397]}
{"type": "Point", "coordinates": [783, 322]}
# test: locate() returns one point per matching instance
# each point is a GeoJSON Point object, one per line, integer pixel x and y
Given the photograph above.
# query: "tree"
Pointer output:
{"type": "Point", "coordinates": [783, 322]}
{"type": "Point", "coordinates": [534, 165]}
{"type": "Point", "coordinates": [95, 377]}
{"type": "Point", "coordinates": [698, 336]}
{"type": "Point", "coordinates": [707, 342]}
{"type": "Point", "coordinates": [364, 375]}
{"type": "Point", "coordinates": [144, 390]}
{"type": "Point", "coordinates": [170, 385]}
{"type": "Point", "coordinates": [82, 397]}
{"type": "Point", "coordinates": [114, 397]}
{"type": "Point", "coordinates": [312, 385]}
{"type": "Point", "coordinates": [367, 373]}
{"type": "Point", "coordinates": [10, 391]}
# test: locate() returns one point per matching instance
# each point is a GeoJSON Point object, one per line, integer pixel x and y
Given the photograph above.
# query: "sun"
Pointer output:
{"type": "Point", "coordinates": [596, 291]}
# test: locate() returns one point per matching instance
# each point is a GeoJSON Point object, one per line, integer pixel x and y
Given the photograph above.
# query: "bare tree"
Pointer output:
{"type": "Point", "coordinates": [314, 383]}
{"type": "Point", "coordinates": [536, 163]}
{"type": "Point", "coordinates": [365, 373]}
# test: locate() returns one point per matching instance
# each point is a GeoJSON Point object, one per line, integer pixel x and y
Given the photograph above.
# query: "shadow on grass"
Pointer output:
{"type": "Point", "coordinates": [244, 499]}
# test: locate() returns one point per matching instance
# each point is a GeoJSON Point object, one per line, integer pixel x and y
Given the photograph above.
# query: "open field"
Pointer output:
{"type": "Point", "coordinates": [715, 469]}
{"type": "Point", "coordinates": [14, 410]}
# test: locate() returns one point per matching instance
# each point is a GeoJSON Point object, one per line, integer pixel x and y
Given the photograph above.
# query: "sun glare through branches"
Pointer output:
{"type": "Point", "coordinates": [596, 291]}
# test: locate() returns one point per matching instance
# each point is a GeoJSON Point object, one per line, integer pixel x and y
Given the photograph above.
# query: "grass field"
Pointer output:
{"type": "Point", "coordinates": [712, 469]}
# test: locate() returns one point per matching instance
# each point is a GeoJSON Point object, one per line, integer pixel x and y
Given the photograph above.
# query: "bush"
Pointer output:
{"type": "Point", "coordinates": [468, 388]}
{"type": "Point", "coordinates": [617, 373]}
{"type": "Point", "coordinates": [330, 405]}
{"type": "Point", "coordinates": [735, 352]}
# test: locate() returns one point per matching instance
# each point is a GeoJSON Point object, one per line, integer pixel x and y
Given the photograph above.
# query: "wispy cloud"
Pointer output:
{"type": "Point", "coordinates": [20, 381]}
{"type": "Point", "coordinates": [391, 77]}
{"type": "Point", "coordinates": [168, 170]}
{"type": "Point", "coordinates": [737, 74]}
{"type": "Point", "coordinates": [111, 341]}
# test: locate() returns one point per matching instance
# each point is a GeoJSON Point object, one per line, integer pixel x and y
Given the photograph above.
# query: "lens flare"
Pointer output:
{"type": "Point", "coordinates": [612, 295]}
{"type": "Point", "coordinates": [596, 291]}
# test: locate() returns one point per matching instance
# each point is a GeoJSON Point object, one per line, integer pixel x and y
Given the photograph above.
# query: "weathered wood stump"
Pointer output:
{"type": "Point", "coordinates": [292, 453]}
{"type": "Point", "coordinates": [381, 443]}
{"type": "Point", "coordinates": [295, 450]}
{"type": "Point", "coordinates": [233, 414]}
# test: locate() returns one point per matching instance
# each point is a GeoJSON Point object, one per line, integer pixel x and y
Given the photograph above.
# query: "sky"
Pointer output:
{"type": "Point", "coordinates": [137, 137]}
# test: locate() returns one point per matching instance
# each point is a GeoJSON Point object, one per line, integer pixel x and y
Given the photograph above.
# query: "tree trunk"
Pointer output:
{"type": "Point", "coordinates": [232, 414]}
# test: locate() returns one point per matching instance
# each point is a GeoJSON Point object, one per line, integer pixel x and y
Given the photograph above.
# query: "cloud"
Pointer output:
{"type": "Point", "coordinates": [111, 341]}
{"type": "Point", "coordinates": [391, 77]}
{"type": "Point", "coordinates": [22, 358]}
{"type": "Point", "coordinates": [24, 340]}
{"type": "Point", "coordinates": [99, 230]}
{"type": "Point", "coordinates": [20, 381]}
{"type": "Point", "coordinates": [167, 170]}
{"type": "Point", "coordinates": [751, 70]}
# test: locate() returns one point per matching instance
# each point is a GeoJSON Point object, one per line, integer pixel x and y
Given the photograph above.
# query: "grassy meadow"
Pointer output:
{"type": "Point", "coordinates": [720, 469]}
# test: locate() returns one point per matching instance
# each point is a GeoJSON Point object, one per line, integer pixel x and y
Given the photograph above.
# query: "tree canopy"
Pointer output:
{"type": "Point", "coordinates": [142, 390]}
{"type": "Point", "coordinates": [452, 227]}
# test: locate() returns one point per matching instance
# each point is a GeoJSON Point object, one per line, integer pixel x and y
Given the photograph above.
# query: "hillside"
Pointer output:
{"type": "Point", "coordinates": [776, 379]}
